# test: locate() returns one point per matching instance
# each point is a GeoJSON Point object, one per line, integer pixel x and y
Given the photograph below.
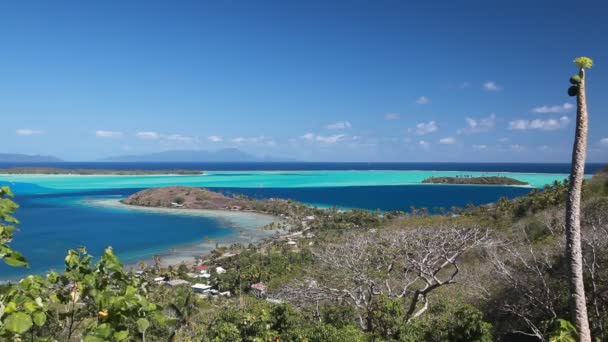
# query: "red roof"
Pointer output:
{"type": "Point", "coordinates": [259, 286]}
{"type": "Point", "coordinates": [202, 267]}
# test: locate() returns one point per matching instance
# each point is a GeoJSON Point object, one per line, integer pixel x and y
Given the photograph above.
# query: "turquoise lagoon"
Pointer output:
{"type": "Point", "coordinates": [256, 179]}
{"type": "Point", "coordinates": [59, 212]}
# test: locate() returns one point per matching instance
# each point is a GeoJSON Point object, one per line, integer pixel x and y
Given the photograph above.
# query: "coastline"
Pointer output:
{"type": "Point", "coordinates": [247, 228]}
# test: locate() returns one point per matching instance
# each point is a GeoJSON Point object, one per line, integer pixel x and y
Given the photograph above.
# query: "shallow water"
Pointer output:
{"type": "Point", "coordinates": [254, 179]}
{"type": "Point", "coordinates": [56, 217]}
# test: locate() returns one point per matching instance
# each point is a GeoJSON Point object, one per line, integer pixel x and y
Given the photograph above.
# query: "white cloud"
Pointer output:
{"type": "Point", "coordinates": [426, 128]}
{"type": "Point", "coordinates": [424, 144]}
{"type": "Point", "coordinates": [517, 148]}
{"type": "Point", "coordinates": [491, 86]}
{"type": "Point", "coordinates": [308, 136]}
{"type": "Point", "coordinates": [604, 141]}
{"type": "Point", "coordinates": [148, 135]}
{"type": "Point", "coordinates": [27, 131]}
{"type": "Point", "coordinates": [325, 139]}
{"type": "Point", "coordinates": [179, 138]}
{"type": "Point", "coordinates": [503, 139]}
{"type": "Point", "coordinates": [331, 139]}
{"type": "Point", "coordinates": [564, 108]}
{"type": "Point", "coordinates": [262, 140]}
{"type": "Point", "coordinates": [464, 85]}
{"type": "Point", "coordinates": [447, 141]}
{"type": "Point", "coordinates": [391, 116]}
{"type": "Point", "coordinates": [339, 125]}
{"type": "Point", "coordinates": [540, 124]}
{"type": "Point", "coordinates": [544, 148]}
{"type": "Point", "coordinates": [480, 147]}
{"type": "Point", "coordinates": [108, 134]}
{"type": "Point", "coordinates": [422, 100]}
{"type": "Point", "coordinates": [215, 138]}
{"type": "Point", "coordinates": [478, 125]}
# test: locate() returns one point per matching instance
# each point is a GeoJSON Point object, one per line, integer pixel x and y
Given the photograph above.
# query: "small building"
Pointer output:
{"type": "Point", "coordinates": [177, 282]}
{"type": "Point", "coordinates": [159, 280]}
{"type": "Point", "coordinates": [176, 205]}
{"type": "Point", "coordinates": [292, 243]}
{"type": "Point", "coordinates": [220, 270]}
{"type": "Point", "coordinates": [202, 268]}
{"type": "Point", "coordinates": [200, 288]}
{"type": "Point", "coordinates": [309, 218]}
{"type": "Point", "coordinates": [225, 294]}
{"type": "Point", "coordinates": [259, 289]}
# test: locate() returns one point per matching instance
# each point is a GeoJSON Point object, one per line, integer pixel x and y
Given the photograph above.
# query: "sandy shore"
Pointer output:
{"type": "Point", "coordinates": [247, 225]}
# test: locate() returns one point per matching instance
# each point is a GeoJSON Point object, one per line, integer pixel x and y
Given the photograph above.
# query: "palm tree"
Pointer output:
{"type": "Point", "coordinates": [578, 305]}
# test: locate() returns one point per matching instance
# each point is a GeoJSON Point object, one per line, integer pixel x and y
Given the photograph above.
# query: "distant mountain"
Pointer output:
{"type": "Point", "coordinates": [223, 155]}
{"type": "Point", "coordinates": [24, 158]}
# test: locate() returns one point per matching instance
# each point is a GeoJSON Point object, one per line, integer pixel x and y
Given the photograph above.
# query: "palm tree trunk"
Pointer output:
{"type": "Point", "coordinates": [578, 305]}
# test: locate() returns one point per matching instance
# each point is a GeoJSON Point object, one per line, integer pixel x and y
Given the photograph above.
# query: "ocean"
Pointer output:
{"type": "Point", "coordinates": [55, 215]}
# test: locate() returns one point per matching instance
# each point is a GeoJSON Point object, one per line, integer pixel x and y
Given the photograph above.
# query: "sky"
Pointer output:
{"type": "Point", "coordinates": [359, 80]}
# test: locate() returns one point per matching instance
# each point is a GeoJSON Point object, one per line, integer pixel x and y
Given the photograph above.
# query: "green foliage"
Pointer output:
{"type": "Point", "coordinates": [7, 228]}
{"type": "Point", "coordinates": [251, 266]}
{"type": "Point", "coordinates": [107, 302]}
{"type": "Point", "coordinates": [387, 316]}
{"type": "Point", "coordinates": [562, 330]}
{"type": "Point", "coordinates": [583, 62]}
{"type": "Point", "coordinates": [454, 323]}
{"type": "Point", "coordinates": [573, 90]}
{"type": "Point", "coordinates": [575, 79]}
{"type": "Point", "coordinates": [340, 315]}
{"type": "Point", "coordinates": [262, 321]}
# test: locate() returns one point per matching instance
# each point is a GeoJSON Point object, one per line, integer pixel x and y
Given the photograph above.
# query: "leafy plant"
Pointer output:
{"type": "Point", "coordinates": [7, 227]}
{"type": "Point", "coordinates": [98, 302]}
{"type": "Point", "coordinates": [583, 62]}
{"type": "Point", "coordinates": [562, 331]}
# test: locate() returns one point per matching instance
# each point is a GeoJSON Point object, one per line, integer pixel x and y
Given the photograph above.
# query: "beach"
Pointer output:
{"type": "Point", "coordinates": [248, 228]}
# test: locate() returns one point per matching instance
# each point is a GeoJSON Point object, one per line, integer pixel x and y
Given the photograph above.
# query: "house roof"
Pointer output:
{"type": "Point", "coordinates": [177, 282]}
{"type": "Point", "coordinates": [259, 286]}
{"type": "Point", "coordinates": [201, 286]}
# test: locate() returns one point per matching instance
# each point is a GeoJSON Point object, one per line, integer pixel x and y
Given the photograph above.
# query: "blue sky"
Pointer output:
{"type": "Point", "coordinates": [308, 80]}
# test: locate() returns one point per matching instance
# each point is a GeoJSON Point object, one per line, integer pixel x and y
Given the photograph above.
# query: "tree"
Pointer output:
{"type": "Point", "coordinates": [405, 265]}
{"type": "Point", "coordinates": [7, 222]}
{"type": "Point", "coordinates": [578, 305]}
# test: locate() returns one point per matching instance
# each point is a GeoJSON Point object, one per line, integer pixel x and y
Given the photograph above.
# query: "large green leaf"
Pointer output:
{"type": "Point", "coordinates": [18, 322]}
{"type": "Point", "coordinates": [103, 331]}
{"type": "Point", "coordinates": [39, 318]}
{"type": "Point", "coordinates": [15, 259]}
{"type": "Point", "coordinates": [142, 325]}
{"type": "Point", "coordinates": [121, 335]}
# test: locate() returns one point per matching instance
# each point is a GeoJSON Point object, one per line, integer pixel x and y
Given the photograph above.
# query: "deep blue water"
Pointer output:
{"type": "Point", "coordinates": [51, 224]}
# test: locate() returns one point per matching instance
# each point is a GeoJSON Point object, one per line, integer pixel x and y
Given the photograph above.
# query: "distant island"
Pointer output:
{"type": "Point", "coordinates": [221, 155]}
{"type": "Point", "coordinates": [490, 180]}
{"type": "Point", "coordinates": [60, 171]}
{"type": "Point", "coordinates": [25, 158]}
{"type": "Point", "coordinates": [191, 198]}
